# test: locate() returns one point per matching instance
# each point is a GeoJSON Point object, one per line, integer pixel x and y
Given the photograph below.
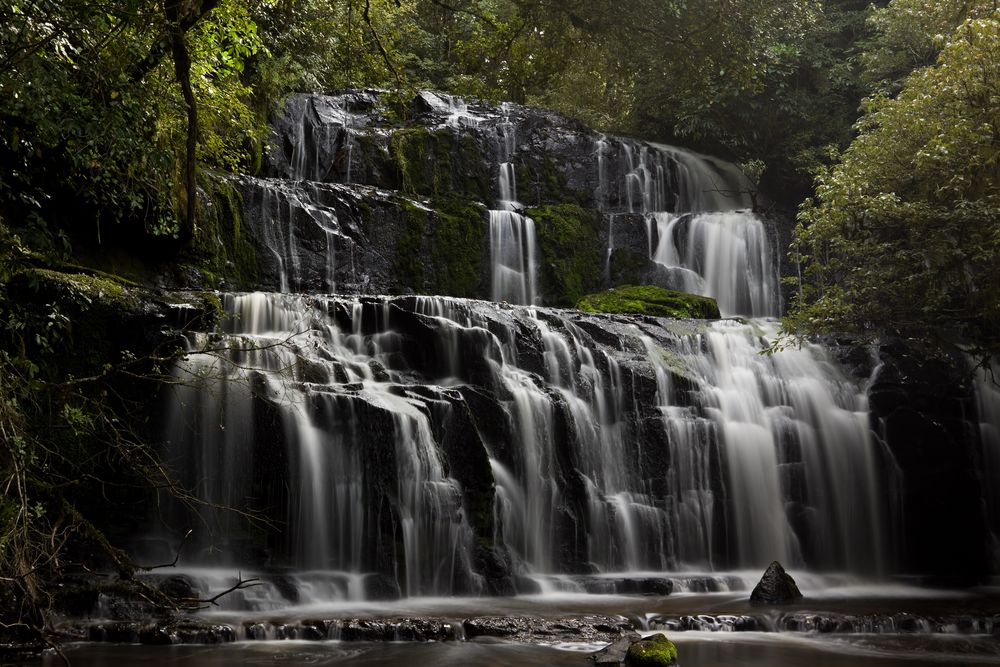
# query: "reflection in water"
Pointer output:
{"type": "Point", "coordinates": [696, 650]}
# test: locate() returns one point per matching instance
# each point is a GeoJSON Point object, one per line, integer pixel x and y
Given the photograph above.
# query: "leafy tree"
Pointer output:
{"type": "Point", "coordinates": [908, 34]}
{"type": "Point", "coordinates": [904, 234]}
{"type": "Point", "coordinates": [92, 116]}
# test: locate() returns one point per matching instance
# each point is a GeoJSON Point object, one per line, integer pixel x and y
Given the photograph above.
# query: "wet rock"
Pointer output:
{"type": "Point", "coordinates": [652, 586]}
{"type": "Point", "coordinates": [614, 653]}
{"type": "Point", "coordinates": [178, 588]}
{"type": "Point", "coordinates": [775, 587]}
{"type": "Point", "coordinates": [395, 630]}
{"type": "Point", "coordinates": [591, 628]}
{"type": "Point", "coordinates": [381, 587]}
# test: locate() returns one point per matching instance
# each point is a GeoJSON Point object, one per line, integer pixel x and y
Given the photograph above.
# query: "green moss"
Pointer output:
{"type": "Point", "coordinates": [649, 300]}
{"type": "Point", "coordinates": [545, 184]}
{"type": "Point", "coordinates": [408, 263]}
{"type": "Point", "coordinates": [423, 158]}
{"type": "Point", "coordinates": [439, 163]}
{"type": "Point", "coordinates": [571, 252]}
{"type": "Point", "coordinates": [213, 310]}
{"type": "Point", "coordinates": [651, 652]}
{"type": "Point", "coordinates": [447, 235]}
{"type": "Point", "coordinates": [627, 266]}
{"type": "Point", "coordinates": [80, 286]}
{"type": "Point", "coordinates": [221, 252]}
{"type": "Point", "coordinates": [457, 251]}
{"type": "Point", "coordinates": [57, 311]}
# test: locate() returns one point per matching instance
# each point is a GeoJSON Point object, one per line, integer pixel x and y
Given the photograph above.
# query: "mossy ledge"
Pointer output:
{"type": "Point", "coordinates": [654, 651]}
{"type": "Point", "coordinates": [652, 301]}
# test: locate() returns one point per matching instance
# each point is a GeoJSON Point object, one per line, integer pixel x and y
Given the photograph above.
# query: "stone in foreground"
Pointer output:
{"type": "Point", "coordinates": [614, 653]}
{"type": "Point", "coordinates": [651, 652]}
{"type": "Point", "coordinates": [775, 587]}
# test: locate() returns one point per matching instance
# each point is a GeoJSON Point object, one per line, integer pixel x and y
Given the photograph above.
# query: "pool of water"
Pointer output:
{"type": "Point", "coordinates": [917, 645]}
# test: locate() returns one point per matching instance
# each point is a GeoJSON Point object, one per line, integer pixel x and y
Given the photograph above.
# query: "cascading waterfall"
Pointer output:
{"type": "Point", "coordinates": [420, 445]}
{"type": "Point", "coordinates": [513, 245]}
{"type": "Point", "coordinates": [325, 409]}
{"type": "Point", "coordinates": [697, 225]}
{"type": "Point", "coordinates": [757, 457]}
{"type": "Point", "coordinates": [723, 255]}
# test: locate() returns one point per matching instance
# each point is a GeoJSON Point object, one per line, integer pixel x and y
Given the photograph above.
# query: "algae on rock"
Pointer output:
{"type": "Point", "coordinates": [571, 252]}
{"type": "Point", "coordinates": [652, 301]}
{"type": "Point", "coordinates": [654, 651]}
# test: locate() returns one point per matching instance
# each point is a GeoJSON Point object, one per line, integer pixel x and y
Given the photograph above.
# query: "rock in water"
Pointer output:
{"type": "Point", "coordinates": [653, 651]}
{"type": "Point", "coordinates": [775, 587]}
{"type": "Point", "coordinates": [614, 653]}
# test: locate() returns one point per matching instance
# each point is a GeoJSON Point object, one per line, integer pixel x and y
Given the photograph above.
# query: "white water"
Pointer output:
{"type": "Point", "coordinates": [739, 429]}
{"type": "Point", "coordinates": [513, 244]}
{"type": "Point", "coordinates": [726, 256]}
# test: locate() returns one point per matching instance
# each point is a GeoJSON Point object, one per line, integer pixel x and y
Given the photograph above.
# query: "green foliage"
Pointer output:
{"type": "Point", "coordinates": [92, 124]}
{"type": "Point", "coordinates": [572, 255]}
{"type": "Point", "coordinates": [653, 651]}
{"type": "Point", "coordinates": [652, 301]}
{"type": "Point", "coordinates": [904, 235]}
{"type": "Point", "coordinates": [909, 34]}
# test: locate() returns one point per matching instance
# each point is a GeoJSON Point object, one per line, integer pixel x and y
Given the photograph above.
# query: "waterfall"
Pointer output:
{"type": "Point", "coordinates": [722, 255]}
{"type": "Point", "coordinates": [423, 445]}
{"type": "Point", "coordinates": [324, 142]}
{"type": "Point", "coordinates": [513, 245]}
{"type": "Point", "coordinates": [665, 452]}
{"type": "Point", "coordinates": [698, 226]}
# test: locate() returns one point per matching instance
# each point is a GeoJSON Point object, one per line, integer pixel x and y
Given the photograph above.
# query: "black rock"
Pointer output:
{"type": "Point", "coordinates": [775, 587]}
{"type": "Point", "coordinates": [614, 653]}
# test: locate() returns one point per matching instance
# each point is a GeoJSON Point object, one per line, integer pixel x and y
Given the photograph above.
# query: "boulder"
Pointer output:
{"type": "Point", "coordinates": [775, 587]}
{"type": "Point", "coordinates": [614, 653]}
{"type": "Point", "coordinates": [654, 651]}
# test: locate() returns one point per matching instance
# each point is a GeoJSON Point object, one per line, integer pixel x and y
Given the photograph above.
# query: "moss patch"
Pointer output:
{"type": "Point", "coordinates": [571, 252]}
{"type": "Point", "coordinates": [221, 251]}
{"type": "Point", "coordinates": [439, 250]}
{"type": "Point", "coordinates": [627, 266]}
{"type": "Point", "coordinates": [408, 263]}
{"type": "Point", "coordinates": [649, 300]}
{"type": "Point", "coordinates": [457, 251]}
{"type": "Point", "coordinates": [652, 652]}
{"type": "Point", "coordinates": [438, 162]}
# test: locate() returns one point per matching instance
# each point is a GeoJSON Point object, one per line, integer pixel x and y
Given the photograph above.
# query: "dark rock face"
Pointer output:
{"type": "Point", "coordinates": [775, 587]}
{"type": "Point", "coordinates": [354, 203]}
{"type": "Point", "coordinates": [923, 409]}
{"type": "Point", "coordinates": [614, 653]}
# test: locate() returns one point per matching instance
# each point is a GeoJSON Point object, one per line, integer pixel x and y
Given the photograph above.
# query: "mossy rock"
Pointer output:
{"type": "Point", "coordinates": [627, 267]}
{"type": "Point", "coordinates": [652, 301]}
{"type": "Point", "coordinates": [222, 251]}
{"type": "Point", "coordinates": [571, 252]}
{"type": "Point", "coordinates": [440, 247]}
{"type": "Point", "coordinates": [653, 651]}
{"type": "Point", "coordinates": [438, 162]}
